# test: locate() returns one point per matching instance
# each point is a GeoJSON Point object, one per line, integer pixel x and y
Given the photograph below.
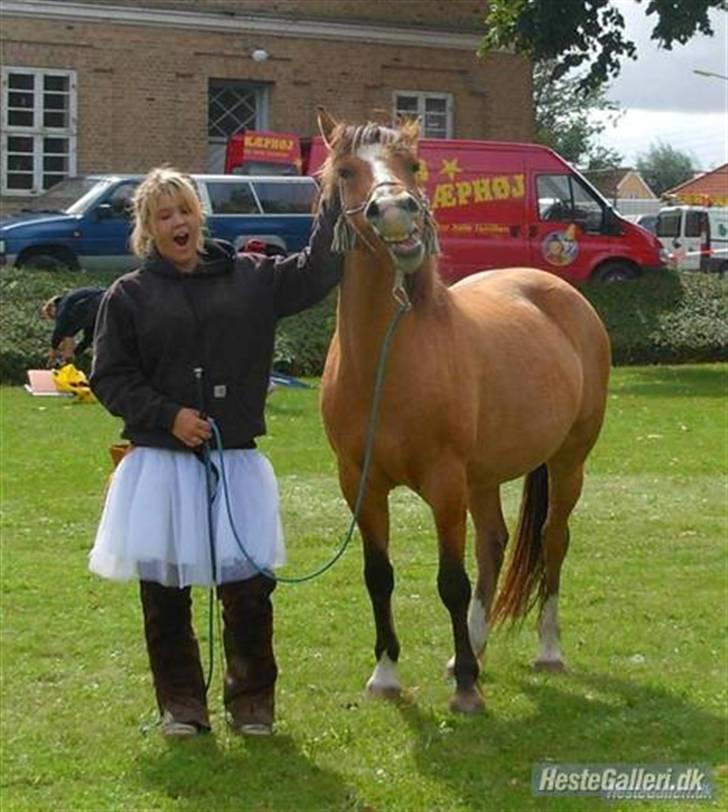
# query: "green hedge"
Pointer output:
{"type": "Point", "coordinates": [301, 340]}
{"type": "Point", "coordinates": [663, 317]}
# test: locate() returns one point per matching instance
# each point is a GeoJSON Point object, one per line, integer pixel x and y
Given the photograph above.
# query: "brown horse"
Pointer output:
{"type": "Point", "coordinates": [501, 375]}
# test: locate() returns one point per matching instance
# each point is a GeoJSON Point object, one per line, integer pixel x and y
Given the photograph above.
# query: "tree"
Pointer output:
{"type": "Point", "coordinates": [664, 167]}
{"type": "Point", "coordinates": [578, 32]}
{"type": "Point", "coordinates": [564, 119]}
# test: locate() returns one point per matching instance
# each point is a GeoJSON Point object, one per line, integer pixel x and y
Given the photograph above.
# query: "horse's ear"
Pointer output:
{"type": "Point", "coordinates": [326, 124]}
{"type": "Point", "coordinates": [410, 130]}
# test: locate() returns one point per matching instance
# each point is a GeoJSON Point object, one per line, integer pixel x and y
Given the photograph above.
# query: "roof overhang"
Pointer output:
{"type": "Point", "coordinates": [232, 22]}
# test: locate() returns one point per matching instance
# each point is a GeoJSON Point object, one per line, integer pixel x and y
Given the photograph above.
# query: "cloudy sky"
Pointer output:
{"type": "Point", "coordinates": [664, 100]}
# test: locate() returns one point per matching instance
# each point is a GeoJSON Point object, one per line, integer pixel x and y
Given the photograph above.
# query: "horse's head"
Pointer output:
{"type": "Point", "coordinates": [374, 168]}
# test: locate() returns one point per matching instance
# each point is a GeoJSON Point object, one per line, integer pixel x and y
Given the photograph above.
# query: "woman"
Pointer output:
{"type": "Point", "coordinates": [189, 334]}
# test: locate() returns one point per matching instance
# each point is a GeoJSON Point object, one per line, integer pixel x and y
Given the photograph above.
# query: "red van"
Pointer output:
{"type": "Point", "coordinates": [501, 204]}
{"type": "Point", "coordinates": [259, 152]}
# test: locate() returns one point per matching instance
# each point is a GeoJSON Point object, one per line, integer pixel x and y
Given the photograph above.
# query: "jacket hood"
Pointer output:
{"type": "Point", "coordinates": [217, 257]}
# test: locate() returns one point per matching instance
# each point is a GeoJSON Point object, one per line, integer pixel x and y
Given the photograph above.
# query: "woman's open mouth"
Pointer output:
{"type": "Point", "coordinates": [181, 239]}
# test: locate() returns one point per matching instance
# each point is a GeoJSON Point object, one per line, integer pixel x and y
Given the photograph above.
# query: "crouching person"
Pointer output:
{"type": "Point", "coordinates": [190, 334]}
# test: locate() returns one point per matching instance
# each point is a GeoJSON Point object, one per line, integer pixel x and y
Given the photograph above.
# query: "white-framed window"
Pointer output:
{"type": "Point", "coordinates": [434, 111]}
{"type": "Point", "coordinates": [38, 129]}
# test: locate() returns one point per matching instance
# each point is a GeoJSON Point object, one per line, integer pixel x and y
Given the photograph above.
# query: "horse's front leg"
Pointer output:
{"type": "Point", "coordinates": [491, 536]}
{"type": "Point", "coordinates": [447, 500]}
{"type": "Point", "coordinates": [373, 522]}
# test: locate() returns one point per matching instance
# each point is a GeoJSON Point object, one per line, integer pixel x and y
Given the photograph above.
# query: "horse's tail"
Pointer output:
{"type": "Point", "coordinates": [524, 582]}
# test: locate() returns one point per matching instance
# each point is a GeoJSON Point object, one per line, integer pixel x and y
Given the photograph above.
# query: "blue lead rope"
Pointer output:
{"type": "Point", "coordinates": [211, 473]}
{"type": "Point", "coordinates": [215, 477]}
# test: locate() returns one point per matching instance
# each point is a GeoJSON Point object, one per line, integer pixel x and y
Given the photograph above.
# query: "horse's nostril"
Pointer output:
{"type": "Point", "coordinates": [372, 210]}
{"type": "Point", "coordinates": [411, 205]}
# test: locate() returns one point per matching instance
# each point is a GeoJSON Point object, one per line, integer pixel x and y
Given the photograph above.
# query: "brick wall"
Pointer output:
{"type": "Point", "coordinates": [142, 91]}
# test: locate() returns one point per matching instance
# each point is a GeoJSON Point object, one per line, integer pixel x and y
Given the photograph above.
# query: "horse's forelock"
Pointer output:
{"type": "Point", "coordinates": [349, 138]}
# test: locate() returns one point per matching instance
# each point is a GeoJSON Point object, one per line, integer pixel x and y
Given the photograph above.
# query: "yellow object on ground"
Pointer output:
{"type": "Point", "coordinates": [69, 378]}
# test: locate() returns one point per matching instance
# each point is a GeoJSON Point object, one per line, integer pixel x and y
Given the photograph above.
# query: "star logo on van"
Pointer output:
{"type": "Point", "coordinates": [450, 168]}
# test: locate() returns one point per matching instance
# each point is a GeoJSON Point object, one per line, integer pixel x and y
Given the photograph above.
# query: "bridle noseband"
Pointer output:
{"type": "Point", "coordinates": [423, 207]}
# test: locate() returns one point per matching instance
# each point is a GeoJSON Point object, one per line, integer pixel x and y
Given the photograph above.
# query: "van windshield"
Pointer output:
{"type": "Point", "coordinates": [70, 196]}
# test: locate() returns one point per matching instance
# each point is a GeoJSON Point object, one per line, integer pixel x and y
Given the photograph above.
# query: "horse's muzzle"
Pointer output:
{"type": "Point", "coordinates": [397, 217]}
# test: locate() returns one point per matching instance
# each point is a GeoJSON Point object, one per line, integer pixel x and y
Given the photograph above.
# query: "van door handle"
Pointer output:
{"type": "Point", "coordinates": [676, 243]}
{"type": "Point", "coordinates": [532, 231]}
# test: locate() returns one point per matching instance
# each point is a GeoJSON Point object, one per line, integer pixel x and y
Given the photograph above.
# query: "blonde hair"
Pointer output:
{"type": "Point", "coordinates": [164, 180]}
{"type": "Point", "coordinates": [49, 309]}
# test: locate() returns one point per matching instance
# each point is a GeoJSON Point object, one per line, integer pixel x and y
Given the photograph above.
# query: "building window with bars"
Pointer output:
{"type": "Point", "coordinates": [38, 129]}
{"type": "Point", "coordinates": [232, 105]}
{"type": "Point", "coordinates": [433, 110]}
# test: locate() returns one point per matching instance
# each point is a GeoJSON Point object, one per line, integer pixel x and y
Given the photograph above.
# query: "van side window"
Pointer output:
{"type": "Point", "coordinates": [695, 223]}
{"type": "Point", "coordinates": [668, 224]}
{"type": "Point", "coordinates": [588, 209]}
{"type": "Point", "coordinates": [286, 198]}
{"type": "Point", "coordinates": [232, 198]}
{"type": "Point", "coordinates": [564, 198]}
{"type": "Point", "coordinates": [554, 197]}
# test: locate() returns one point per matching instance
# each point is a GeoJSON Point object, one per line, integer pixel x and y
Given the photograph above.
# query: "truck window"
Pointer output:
{"type": "Point", "coordinates": [565, 199]}
{"type": "Point", "coordinates": [232, 198]}
{"type": "Point", "coordinates": [286, 198]}
{"type": "Point", "coordinates": [121, 199]}
{"type": "Point", "coordinates": [668, 224]}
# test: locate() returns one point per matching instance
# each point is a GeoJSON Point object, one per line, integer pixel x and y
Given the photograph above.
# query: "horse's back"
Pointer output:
{"type": "Point", "coordinates": [540, 345]}
{"type": "Point", "coordinates": [502, 294]}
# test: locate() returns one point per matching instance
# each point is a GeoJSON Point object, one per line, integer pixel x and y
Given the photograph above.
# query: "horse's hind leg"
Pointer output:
{"type": "Point", "coordinates": [565, 484]}
{"type": "Point", "coordinates": [491, 536]}
{"type": "Point", "coordinates": [373, 522]}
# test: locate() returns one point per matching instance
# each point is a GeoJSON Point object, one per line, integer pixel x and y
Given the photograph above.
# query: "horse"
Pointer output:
{"type": "Point", "coordinates": [502, 375]}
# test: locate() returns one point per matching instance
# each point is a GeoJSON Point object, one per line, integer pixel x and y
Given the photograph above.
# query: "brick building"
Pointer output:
{"type": "Point", "coordinates": [102, 86]}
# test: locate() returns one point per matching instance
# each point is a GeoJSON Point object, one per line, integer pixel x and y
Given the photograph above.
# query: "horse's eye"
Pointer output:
{"type": "Point", "coordinates": [415, 167]}
{"type": "Point", "coordinates": [345, 173]}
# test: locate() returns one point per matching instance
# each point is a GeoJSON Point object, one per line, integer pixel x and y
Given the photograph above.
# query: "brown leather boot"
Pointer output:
{"type": "Point", "coordinates": [174, 655]}
{"type": "Point", "coordinates": [251, 674]}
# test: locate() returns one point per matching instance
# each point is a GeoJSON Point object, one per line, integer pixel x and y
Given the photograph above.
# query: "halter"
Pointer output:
{"type": "Point", "coordinates": [346, 230]}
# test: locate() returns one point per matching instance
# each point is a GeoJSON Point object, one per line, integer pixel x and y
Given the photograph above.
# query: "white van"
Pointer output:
{"type": "Point", "coordinates": [696, 237]}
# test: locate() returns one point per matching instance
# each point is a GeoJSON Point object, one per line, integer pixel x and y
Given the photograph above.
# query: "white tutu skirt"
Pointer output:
{"type": "Point", "coordinates": [155, 521]}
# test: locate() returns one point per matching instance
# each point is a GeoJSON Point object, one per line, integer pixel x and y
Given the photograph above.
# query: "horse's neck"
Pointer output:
{"type": "Point", "coordinates": [367, 307]}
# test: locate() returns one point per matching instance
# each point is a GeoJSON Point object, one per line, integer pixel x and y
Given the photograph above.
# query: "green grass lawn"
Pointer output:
{"type": "Point", "coordinates": [643, 614]}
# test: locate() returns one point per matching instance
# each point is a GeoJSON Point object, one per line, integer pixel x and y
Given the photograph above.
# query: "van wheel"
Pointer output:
{"type": "Point", "coordinates": [614, 272]}
{"type": "Point", "coordinates": [48, 261]}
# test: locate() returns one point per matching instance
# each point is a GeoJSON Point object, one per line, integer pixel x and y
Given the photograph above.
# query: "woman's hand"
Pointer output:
{"type": "Point", "coordinates": [190, 429]}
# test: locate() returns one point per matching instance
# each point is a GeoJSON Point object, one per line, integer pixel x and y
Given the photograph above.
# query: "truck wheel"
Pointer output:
{"type": "Point", "coordinates": [48, 261]}
{"type": "Point", "coordinates": [614, 272]}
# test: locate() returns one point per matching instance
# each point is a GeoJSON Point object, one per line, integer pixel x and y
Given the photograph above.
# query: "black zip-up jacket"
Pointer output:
{"type": "Point", "coordinates": [75, 312]}
{"type": "Point", "coordinates": [156, 325]}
